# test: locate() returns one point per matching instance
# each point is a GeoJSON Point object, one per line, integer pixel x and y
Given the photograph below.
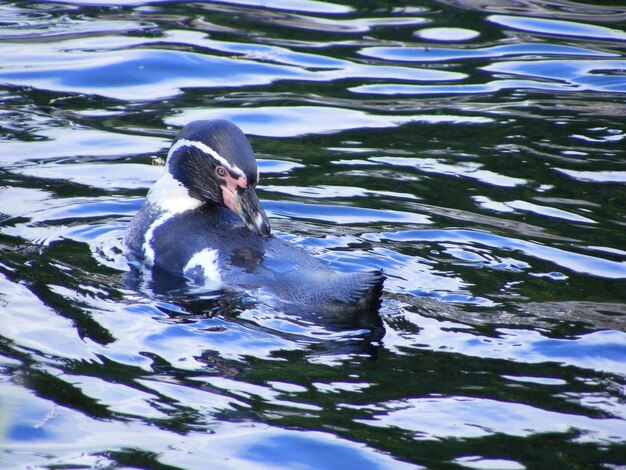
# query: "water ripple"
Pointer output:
{"type": "Point", "coordinates": [567, 259]}
{"type": "Point", "coordinates": [439, 54]}
{"type": "Point", "coordinates": [558, 27]}
{"type": "Point", "coordinates": [471, 150]}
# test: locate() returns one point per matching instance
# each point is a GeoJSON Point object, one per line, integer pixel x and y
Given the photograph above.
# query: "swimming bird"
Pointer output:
{"type": "Point", "coordinates": [202, 222]}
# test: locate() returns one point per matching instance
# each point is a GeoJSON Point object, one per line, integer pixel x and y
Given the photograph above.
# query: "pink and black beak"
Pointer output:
{"type": "Point", "coordinates": [243, 201]}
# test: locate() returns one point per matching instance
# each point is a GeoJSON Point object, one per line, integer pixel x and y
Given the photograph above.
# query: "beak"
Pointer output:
{"type": "Point", "coordinates": [245, 203]}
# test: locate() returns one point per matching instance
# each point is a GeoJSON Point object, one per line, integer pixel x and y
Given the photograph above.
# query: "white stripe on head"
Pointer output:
{"type": "Point", "coordinates": [234, 169]}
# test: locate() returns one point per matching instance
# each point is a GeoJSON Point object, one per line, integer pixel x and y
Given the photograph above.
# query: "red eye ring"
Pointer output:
{"type": "Point", "coordinates": [221, 171]}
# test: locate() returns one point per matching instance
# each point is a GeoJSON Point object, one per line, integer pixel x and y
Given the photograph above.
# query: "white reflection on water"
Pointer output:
{"type": "Point", "coordinates": [301, 120]}
{"type": "Point", "coordinates": [608, 176]}
{"type": "Point", "coordinates": [558, 27]}
{"type": "Point", "coordinates": [503, 269]}
{"type": "Point", "coordinates": [468, 417]}
{"type": "Point", "coordinates": [48, 434]}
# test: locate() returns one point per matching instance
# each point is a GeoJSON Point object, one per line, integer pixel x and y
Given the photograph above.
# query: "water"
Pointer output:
{"type": "Point", "coordinates": [473, 150]}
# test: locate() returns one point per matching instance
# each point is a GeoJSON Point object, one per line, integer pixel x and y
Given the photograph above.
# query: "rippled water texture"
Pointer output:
{"type": "Point", "coordinates": [473, 150]}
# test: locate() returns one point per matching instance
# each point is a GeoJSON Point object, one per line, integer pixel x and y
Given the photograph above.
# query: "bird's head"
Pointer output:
{"type": "Point", "coordinates": [214, 162]}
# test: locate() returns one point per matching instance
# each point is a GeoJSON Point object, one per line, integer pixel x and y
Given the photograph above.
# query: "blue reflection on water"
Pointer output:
{"type": "Point", "coordinates": [341, 214]}
{"type": "Point", "coordinates": [435, 54]}
{"type": "Point", "coordinates": [596, 75]}
{"type": "Point", "coordinates": [153, 73]}
{"type": "Point", "coordinates": [612, 347]}
{"type": "Point", "coordinates": [558, 27]}
{"type": "Point", "coordinates": [296, 451]}
{"type": "Point", "coordinates": [568, 259]}
{"type": "Point", "coordinates": [27, 432]}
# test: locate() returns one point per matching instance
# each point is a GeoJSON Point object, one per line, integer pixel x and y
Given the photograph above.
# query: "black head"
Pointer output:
{"type": "Point", "coordinates": [215, 163]}
{"type": "Point", "coordinates": [227, 140]}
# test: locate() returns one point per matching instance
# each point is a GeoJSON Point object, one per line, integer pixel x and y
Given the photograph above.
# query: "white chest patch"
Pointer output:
{"type": "Point", "coordinates": [206, 261]}
{"type": "Point", "coordinates": [169, 195]}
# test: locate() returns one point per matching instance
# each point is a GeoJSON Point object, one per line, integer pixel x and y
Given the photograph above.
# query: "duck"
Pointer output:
{"type": "Point", "coordinates": [202, 223]}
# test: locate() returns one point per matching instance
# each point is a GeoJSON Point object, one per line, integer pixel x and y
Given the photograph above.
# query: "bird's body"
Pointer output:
{"type": "Point", "coordinates": [212, 246]}
{"type": "Point", "coordinates": [202, 222]}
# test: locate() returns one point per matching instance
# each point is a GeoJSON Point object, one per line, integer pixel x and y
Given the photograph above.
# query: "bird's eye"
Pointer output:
{"type": "Point", "coordinates": [221, 171]}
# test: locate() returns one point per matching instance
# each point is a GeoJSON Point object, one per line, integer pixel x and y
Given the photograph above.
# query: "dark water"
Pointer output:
{"type": "Point", "coordinates": [474, 150]}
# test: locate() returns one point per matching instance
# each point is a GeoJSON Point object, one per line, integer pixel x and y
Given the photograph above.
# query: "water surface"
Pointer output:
{"type": "Point", "coordinates": [473, 151]}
